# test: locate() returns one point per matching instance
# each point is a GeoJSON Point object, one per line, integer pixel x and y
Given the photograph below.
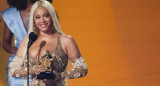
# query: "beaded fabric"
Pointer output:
{"type": "Point", "coordinates": [59, 67]}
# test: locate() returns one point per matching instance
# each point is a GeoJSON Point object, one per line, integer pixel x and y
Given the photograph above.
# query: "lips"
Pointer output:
{"type": "Point", "coordinates": [43, 25]}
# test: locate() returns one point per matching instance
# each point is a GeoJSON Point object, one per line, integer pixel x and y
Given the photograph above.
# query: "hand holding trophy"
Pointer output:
{"type": "Point", "coordinates": [46, 61]}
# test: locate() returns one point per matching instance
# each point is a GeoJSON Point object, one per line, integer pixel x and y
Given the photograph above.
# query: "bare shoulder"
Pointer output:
{"type": "Point", "coordinates": [24, 41]}
{"type": "Point", "coordinates": [70, 46]}
{"type": "Point", "coordinates": [67, 39]}
{"type": "Point", "coordinates": [22, 46]}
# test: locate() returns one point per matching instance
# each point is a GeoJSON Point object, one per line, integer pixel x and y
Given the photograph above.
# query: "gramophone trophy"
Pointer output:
{"type": "Point", "coordinates": [46, 61]}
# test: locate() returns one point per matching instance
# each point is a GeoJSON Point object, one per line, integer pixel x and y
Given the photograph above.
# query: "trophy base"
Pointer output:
{"type": "Point", "coordinates": [46, 75]}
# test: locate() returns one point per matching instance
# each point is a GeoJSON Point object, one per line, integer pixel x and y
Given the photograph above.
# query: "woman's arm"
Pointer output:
{"type": "Point", "coordinates": [7, 41]}
{"type": "Point", "coordinates": [17, 69]}
{"type": "Point", "coordinates": [79, 66]}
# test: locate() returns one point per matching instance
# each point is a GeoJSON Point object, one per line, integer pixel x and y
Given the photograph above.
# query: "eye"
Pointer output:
{"type": "Point", "coordinates": [37, 17]}
{"type": "Point", "coordinates": [47, 15]}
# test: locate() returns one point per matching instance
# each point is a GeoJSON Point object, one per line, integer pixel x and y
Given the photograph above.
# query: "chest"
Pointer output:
{"type": "Point", "coordinates": [59, 62]}
{"type": "Point", "coordinates": [39, 49]}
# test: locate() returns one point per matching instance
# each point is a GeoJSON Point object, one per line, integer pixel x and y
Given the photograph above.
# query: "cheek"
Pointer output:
{"type": "Point", "coordinates": [49, 20]}
{"type": "Point", "coordinates": [36, 22]}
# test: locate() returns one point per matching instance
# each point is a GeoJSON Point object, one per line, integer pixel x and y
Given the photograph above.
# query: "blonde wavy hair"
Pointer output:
{"type": "Point", "coordinates": [51, 10]}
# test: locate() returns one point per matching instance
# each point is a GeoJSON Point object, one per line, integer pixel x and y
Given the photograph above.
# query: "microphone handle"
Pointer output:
{"type": "Point", "coordinates": [29, 44]}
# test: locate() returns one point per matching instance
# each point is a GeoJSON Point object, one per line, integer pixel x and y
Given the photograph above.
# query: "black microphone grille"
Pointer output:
{"type": "Point", "coordinates": [32, 36]}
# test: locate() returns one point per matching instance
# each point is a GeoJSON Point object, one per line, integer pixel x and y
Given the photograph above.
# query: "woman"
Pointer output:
{"type": "Point", "coordinates": [17, 20]}
{"type": "Point", "coordinates": [44, 22]}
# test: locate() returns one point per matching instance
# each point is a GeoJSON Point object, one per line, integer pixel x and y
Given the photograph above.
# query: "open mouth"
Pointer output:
{"type": "Point", "coordinates": [43, 25]}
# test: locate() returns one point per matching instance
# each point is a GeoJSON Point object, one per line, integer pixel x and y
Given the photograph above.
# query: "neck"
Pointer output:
{"type": "Point", "coordinates": [46, 34]}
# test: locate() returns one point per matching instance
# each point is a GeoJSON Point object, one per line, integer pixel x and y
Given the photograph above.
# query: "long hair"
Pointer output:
{"type": "Point", "coordinates": [51, 10]}
{"type": "Point", "coordinates": [21, 4]}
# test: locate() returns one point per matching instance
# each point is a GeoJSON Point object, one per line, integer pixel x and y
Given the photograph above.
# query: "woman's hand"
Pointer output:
{"type": "Point", "coordinates": [38, 68]}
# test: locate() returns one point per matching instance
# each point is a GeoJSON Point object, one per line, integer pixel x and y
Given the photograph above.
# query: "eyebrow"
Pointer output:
{"type": "Point", "coordinates": [43, 14]}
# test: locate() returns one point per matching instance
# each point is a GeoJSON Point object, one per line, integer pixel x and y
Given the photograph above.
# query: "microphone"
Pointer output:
{"type": "Point", "coordinates": [32, 38]}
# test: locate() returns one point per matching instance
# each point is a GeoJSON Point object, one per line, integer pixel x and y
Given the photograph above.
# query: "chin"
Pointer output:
{"type": "Point", "coordinates": [44, 28]}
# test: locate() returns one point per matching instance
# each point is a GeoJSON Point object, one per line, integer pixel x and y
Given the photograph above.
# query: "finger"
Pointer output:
{"type": "Point", "coordinates": [37, 73]}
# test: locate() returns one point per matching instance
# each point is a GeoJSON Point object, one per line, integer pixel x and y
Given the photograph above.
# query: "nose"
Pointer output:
{"type": "Point", "coordinates": [42, 19]}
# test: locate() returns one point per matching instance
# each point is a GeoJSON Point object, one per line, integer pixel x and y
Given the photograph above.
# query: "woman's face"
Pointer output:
{"type": "Point", "coordinates": [42, 19]}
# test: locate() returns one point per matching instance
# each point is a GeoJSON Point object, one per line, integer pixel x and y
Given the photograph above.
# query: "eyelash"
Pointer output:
{"type": "Point", "coordinates": [37, 17]}
{"type": "Point", "coordinates": [47, 15]}
{"type": "Point", "coordinates": [44, 16]}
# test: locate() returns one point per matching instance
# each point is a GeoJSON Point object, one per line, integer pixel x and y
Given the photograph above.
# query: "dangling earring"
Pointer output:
{"type": "Point", "coordinates": [35, 30]}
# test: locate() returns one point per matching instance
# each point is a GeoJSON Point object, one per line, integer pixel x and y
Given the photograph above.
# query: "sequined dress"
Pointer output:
{"type": "Point", "coordinates": [59, 65]}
